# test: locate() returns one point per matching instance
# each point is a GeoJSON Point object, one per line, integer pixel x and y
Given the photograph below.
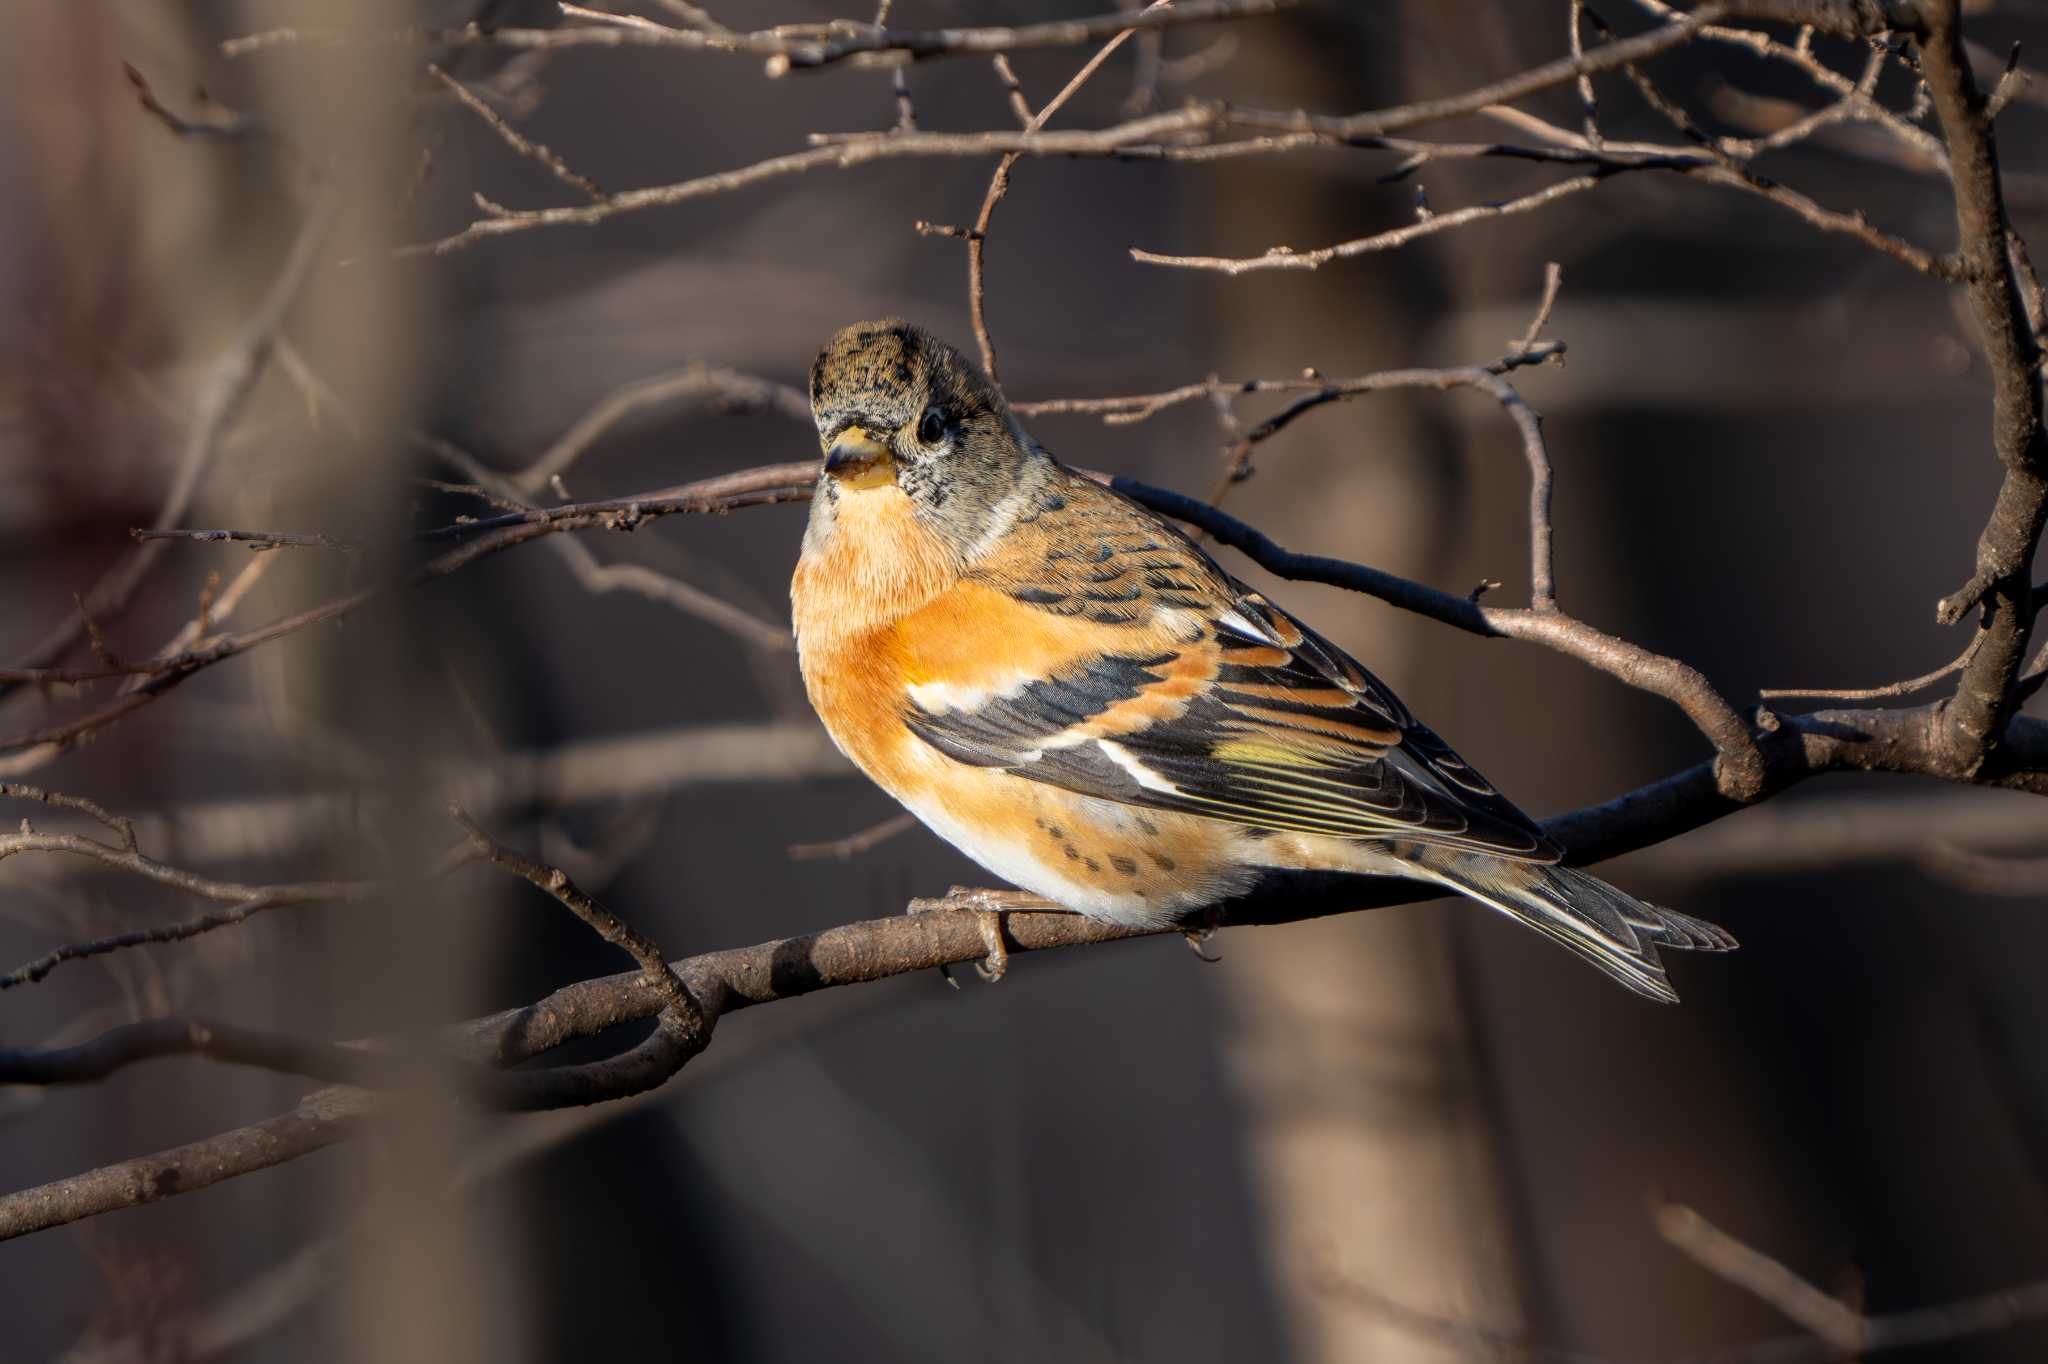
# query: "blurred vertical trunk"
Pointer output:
{"type": "Point", "coordinates": [1369, 1141]}
{"type": "Point", "coordinates": [432, 1277]}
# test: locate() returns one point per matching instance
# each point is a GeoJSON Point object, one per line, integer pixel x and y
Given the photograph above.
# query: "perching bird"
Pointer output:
{"type": "Point", "coordinates": [1067, 689]}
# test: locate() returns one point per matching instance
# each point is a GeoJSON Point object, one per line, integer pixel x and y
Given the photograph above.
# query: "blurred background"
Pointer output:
{"type": "Point", "coordinates": [1407, 1134]}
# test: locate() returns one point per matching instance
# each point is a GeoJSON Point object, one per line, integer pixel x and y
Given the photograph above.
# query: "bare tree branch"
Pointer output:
{"type": "Point", "coordinates": [1719, 1253]}
{"type": "Point", "coordinates": [1676, 682]}
{"type": "Point", "coordinates": [1905, 687]}
{"type": "Point", "coordinates": [856, 843]}
{"type": "Point", "coordinates": [675, 995]}
{"type": "Point", "coordinates": [245, 900]}
{"type": "Point", "coordinates": [1975, 738]}
{"type": "Point", "coordinates": [790, 48]}
{"type": "Point", "coordinates": [1142, 137]}
{"type": "Point", "coordinates": [516, 140]}
{"type": "Point", "coordinates": [254, 539]}
{"type": "Point", "coordinates": [223, 125]}
{"type": "Point", "coordinates": [755, 487]}
{"type": "Point", "coordinates": [1286, 258]}
{"type": "Point", "coordinates": [1924, 144]}
{"type": "Point", "coordinates": [837, 154]}
{"type": "Point", "coordinates": [1837, 1331]}
{"type": "Point", "coordinates": [728, 389]}
{"type": "Point", "coordinates": [725, 982]}
{"type": "Point", "coordinates": [999, 184]}
{"type": "Point", "coordinates": [2001, 584]}
{"type": "Point", "coordinates": [1607, 160]}
{"type": "Point", "coordinates": [645, 582]}
{"type": "Point", "coordinates": [228, 384]}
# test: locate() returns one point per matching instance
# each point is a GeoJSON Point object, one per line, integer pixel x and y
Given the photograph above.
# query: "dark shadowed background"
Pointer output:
{"type": "Point", "coordinates": [1772, 458]}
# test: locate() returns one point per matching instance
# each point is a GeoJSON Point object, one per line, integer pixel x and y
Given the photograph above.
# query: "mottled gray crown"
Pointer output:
{"type": "Point", "coordinates": [883, 375]}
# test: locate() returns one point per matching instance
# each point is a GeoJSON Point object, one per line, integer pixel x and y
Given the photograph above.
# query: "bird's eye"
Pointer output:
{"type": "Point", "coordinates": [931, 428]}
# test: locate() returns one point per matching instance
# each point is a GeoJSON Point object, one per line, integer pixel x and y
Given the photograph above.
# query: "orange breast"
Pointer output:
{"type": "Point", "coordinates": [881, 611]}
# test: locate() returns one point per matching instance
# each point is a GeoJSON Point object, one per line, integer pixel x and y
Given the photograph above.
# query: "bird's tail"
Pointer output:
{"type": "Point", "coordinates": [1615, 931]}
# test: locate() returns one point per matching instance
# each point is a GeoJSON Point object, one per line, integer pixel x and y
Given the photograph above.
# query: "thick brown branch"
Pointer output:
{"type": "Point", "coordinates": [2001, 585]}
{"type": "Point", "coordinates": [1802, 747]}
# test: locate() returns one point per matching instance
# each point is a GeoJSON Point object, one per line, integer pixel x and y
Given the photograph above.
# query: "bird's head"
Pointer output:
{"type": "Point", "coordinates": [900, 412]}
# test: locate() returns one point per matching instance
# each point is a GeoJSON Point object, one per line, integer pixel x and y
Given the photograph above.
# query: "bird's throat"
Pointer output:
{"type": "Point", "coordinates": [867, 562]}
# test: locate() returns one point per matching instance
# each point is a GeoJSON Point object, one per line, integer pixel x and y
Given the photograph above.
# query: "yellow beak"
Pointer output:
{"type": "Point", "coordinates": [858, 460]}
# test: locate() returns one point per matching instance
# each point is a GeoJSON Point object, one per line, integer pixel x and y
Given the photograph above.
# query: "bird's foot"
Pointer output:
{"type": "Point", "coordinates": [988, 907]}
{"type": "Point", "coordinates": [1197, 928]}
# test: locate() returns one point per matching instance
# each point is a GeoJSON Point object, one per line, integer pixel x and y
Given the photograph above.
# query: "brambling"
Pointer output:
{"type": "Point", "coordinates": [1071, 692]}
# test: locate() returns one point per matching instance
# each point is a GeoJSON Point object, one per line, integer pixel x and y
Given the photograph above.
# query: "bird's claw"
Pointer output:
{"type": "Point", "coordinates": [1197, 940]}
{"type": "Point", "coordinates": [988, 907]}
{"type": "Point", "coordinates": [996, 963]}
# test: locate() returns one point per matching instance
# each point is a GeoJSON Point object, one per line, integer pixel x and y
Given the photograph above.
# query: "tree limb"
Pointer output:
{"type": "Point", "coordinates": [2001, 584]}
{"type": "Point", "coordinates": [724, 982]}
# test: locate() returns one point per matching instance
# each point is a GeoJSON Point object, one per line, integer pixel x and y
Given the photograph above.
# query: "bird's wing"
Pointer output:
{"type": "Point", "coordinates": [1193, 693]}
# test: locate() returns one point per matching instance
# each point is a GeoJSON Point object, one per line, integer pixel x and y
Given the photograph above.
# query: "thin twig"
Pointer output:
{"type": "Point", "coordinates": [906, 111]}
{"type": "Point", "coordinates": [516, 140]}
{"type": "Point", "coordinates": [671, 591]}
{"type": "Point", "coordinates": [999, 184]}
{"type": "Point", "coordinates": [1927, 147]}
{"type": "Point", "coordinates": [1714, 1250]}
{"type": "Point", "coordinates": [1983, 873]}
{"type": "Point", "coordinates": [1013, 90]}
{"type": "Point", "coordinates": [856, 843]}
{"type": "Point", "coordinates": [244, 900]}
{"type": "Point", "coordinates": [729, 389]}
{"type": "Point", "coordinates": [487, 536]}
{"type": "Point", "coordinates": [255, 539]}
{"type": "Point", "coordinates": [859, 45]}
{"type": "Point", "coordinates": [1713, 172]}
{"type": "Point", "coordinates": [227, 387]}
{"type": "Point", "coordinates": [1144, 138]}
{"type": "Point", "coordinates": [1553, 280]}
{"type": "Point", "coordinates": [215, 607]}
{"type": "Point", "coordinates": [268, 898]}
{"type": "Point", "coordinates": [840, 154]}
{"type": "Point", "coordinates": [1942, 1324]}
{"type": "Point", "coordinates": [675, 995]}
{"type": "Point", "coordinates": [1589, 107]}
{"type": "Point", "coordinates": [1287, 258]}
{"type": "Point", "coordinates": [226, 126]}
{"type": "Point", "coordinates": [122, 828]}
{"type": "Point", "coordinates": [1903, 688]}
